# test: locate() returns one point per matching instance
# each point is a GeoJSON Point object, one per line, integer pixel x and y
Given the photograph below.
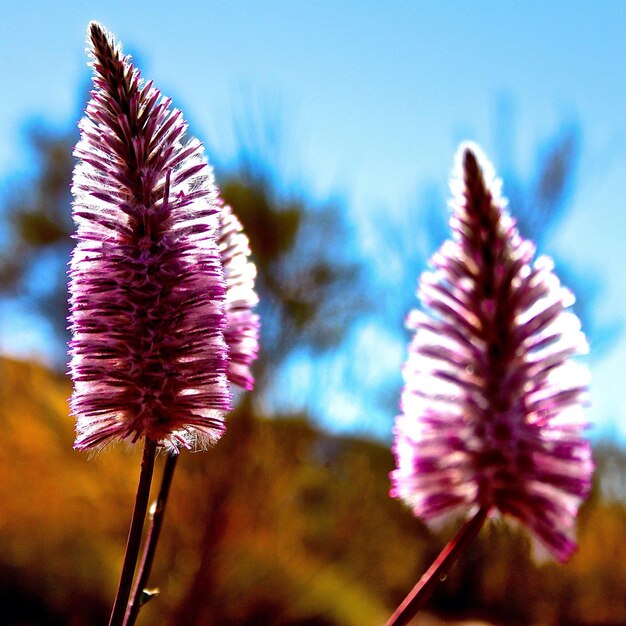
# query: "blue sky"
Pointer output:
{"type": "Point", "coordinates": [373, 98]}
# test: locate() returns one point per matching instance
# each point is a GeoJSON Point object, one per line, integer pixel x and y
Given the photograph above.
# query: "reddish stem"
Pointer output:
{"type": "Point", "coordinates": [421, 592]}
{"type": "Point", "coordinates": [134, 534]}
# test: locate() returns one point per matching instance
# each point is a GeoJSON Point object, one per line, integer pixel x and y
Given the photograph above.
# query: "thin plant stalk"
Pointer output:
{"type": "Point", "coordinates": [134, 534]}
{"type": "Point", "coordinates": [149, 550]}
{"type": "Point", "coordinates": [440, 567]}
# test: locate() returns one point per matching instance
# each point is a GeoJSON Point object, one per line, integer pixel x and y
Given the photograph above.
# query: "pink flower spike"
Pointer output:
{"type": "Point", "coordinates": [147, 293]}
{"type": "Point", "coordinates": [492, 407]}
{"type": "Point", "coordinates": [242, 330]}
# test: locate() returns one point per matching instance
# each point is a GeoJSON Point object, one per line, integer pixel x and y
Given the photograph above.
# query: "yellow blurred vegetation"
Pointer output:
{"type": "Point", "coordinates": [279, 524]}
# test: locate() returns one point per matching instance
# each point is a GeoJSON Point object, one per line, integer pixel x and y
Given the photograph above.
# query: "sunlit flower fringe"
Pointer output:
{"type": "Point", "coordinates": [242, 330]}
{"type": "Point", "coordinates": [147, 292]}
{"type": "Point", "coordinates": [492, 408]}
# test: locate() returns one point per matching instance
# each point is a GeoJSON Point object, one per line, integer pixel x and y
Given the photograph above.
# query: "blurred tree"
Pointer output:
{"type": "Point", "coordinates": [538, 205]}
{"type": "Point", "coordinates": [311, 279]}
{"type": "Point", "coordinates": [35, 244]}
{"type": "Point", "coordinates": [308, 274]}
{"type": "Point", "coordinates": [307, 270]}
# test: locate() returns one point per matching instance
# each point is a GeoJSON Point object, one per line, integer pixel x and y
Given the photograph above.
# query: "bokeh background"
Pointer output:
{"type": "Point", "coordinates": [332, 128]}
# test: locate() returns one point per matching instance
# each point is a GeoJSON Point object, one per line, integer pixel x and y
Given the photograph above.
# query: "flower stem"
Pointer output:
{"type": "Point", "coordinates": [156, 522]}
{"type": "Point", "coordinates": [421, 592]}
{"type": "Point", "coordinates": [134, 534]}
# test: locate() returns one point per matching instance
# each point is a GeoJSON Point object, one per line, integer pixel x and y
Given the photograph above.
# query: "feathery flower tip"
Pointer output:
{"type": "Point", "coordinates": [147, 292]}
{"type": "Point", "coordinates": [492, 407]}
